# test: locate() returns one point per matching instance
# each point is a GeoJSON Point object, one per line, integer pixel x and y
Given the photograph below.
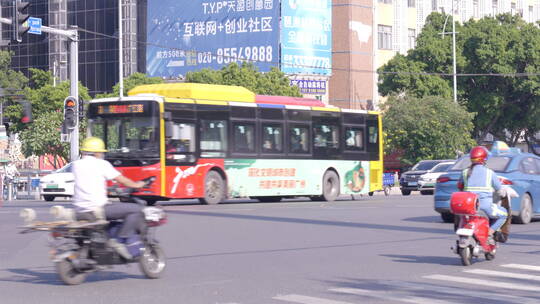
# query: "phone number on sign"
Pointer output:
{"type": "Point", "coordinates": [235, 54]}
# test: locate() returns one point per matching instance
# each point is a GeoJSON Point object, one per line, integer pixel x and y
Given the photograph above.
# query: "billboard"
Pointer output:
{"type": "Point", "coordinates": [190, 35]}
{"type": "Point", "coordinates": [306, 37]}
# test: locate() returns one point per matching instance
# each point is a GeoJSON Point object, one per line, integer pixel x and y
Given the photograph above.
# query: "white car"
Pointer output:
{"type": "Point", "coordinates": [427, 181]}
{"type": "Point", "coordinates": [59, 183]}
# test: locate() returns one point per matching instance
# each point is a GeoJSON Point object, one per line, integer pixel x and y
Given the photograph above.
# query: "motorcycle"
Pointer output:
{"type": "Point", "coordinates": [472, 226]}
{"type": "Point", "coordinates": [81, 247]}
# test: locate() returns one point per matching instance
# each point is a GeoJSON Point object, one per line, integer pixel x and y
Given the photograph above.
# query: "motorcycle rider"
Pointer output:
{"type": "Point", "coordinates": [482, 181]}
{"type": "Point", "coordinates": [91, 173]}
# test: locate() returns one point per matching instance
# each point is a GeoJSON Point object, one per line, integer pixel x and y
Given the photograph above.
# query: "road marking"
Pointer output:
{"type": "Point", "coordinates": [521, 266]}
{"type": "Point", "coordinates": [398, 297]}
{"type": "Point", "coordinates": [306, 300]}
{"type": "Point", "coordinates": [504, 274]}
{"type": "Point", "coordinates": [466, 293]}
{"type": "Point", "coordinates": [490, 283]}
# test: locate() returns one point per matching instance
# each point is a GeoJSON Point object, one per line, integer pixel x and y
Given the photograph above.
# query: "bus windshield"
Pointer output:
{"type": "Point", "coordinates": [126, 133]}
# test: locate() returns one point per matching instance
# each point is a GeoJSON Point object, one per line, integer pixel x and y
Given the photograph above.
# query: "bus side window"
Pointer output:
{"type": "Point", "coordinates": [213, 138]}
{"type": "Point", "coordinates": [180, 141]}
{"type": "Point", "coordinates": [299, 139]}
{"type": "Point", "coordinates": [244, 137]}
{"type": "Point", "coordinates": [354, 138]}
{"type": "Point", "coordinates": [272, 138]}
{"type": "Point", "coordinates": [325, 136]}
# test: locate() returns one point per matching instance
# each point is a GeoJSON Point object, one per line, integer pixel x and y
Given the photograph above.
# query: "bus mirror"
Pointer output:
{"type": "Point", "coordinates": [167, 116]}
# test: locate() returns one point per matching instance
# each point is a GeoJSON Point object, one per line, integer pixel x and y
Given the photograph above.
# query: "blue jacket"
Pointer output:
{"type": "Point", "coordinates": [482, 181]}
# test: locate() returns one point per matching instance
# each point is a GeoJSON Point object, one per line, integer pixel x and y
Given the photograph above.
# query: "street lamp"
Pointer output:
{"type": "Point", "coordinates": [454, 73]}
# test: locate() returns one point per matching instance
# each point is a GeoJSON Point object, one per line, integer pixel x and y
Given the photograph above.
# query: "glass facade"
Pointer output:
{"type": "Point", "coordinates": [98, 53]}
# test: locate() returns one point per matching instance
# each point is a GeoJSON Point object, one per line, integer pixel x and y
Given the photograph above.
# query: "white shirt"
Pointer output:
{"type": "Point", "coordinates": [91, 175]}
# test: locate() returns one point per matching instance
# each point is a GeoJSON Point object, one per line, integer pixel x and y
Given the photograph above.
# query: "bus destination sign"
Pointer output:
{"type": "Point", "coordinates": [121, 109]}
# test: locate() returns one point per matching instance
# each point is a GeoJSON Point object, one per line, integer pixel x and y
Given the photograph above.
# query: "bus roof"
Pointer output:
{"type": "Point", "coordinates": [196, 91]}
{"type": "Point", "coordinates": [285, 100]}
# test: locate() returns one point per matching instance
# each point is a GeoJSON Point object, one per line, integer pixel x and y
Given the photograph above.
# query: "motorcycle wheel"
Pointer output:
{"type": "Point", "coordinates": [68, 274]}
{"type": "Point", "coordinates": [466, 256]}
{"type": "Point", "coordinates": [152, 261]}
{"type": "Point", "coordinates": [490, 256]}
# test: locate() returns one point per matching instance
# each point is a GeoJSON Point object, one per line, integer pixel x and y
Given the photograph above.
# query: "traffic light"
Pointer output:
{"type": "Point", "coordinates": [19, 18]}
{"type": "Point", "coordinates": [27, 112]}
{"type": "Point", "coordinates": [70, 112]}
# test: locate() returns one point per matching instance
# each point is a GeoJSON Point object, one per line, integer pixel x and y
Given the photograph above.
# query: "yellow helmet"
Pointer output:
{"type": "Point", "coordinates": [93, 144]}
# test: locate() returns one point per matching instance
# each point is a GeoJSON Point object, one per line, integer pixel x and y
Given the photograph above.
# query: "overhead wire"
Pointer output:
{"type": "Point", "coordinates": [275, 63]}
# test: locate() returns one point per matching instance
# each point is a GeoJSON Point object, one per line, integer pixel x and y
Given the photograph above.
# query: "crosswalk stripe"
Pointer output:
{"type": "Point", "coordinates": [307, 300]}
{"type": "Point", "coordinates": [504, 274]}
{"type": "Point", "coordinates": [507, 298]}
{"type": "Point", "coordinates": [398, 297]}
{"type": "Point", "coordinates": [521, 266]}
{"type": "Point", "coordinates": [490, 283]}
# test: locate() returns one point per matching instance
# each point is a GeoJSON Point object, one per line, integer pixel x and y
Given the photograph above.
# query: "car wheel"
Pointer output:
{"type": "Point", "coordinates": [525, 213]}
{"type": "Point", "coordinates": [48, 198]}
{"type": "Point", "coordinates": [447, 217]}
{"type": "Point", "coordinates": [405, 192]}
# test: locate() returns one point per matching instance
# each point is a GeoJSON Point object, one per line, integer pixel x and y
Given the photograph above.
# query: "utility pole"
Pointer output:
{"type": "Point", "coordinates": [73, 37]}
{"type": "Point", "coordinates": [120, 52]}
{"type": "Point", "coordinates": [454, 51]}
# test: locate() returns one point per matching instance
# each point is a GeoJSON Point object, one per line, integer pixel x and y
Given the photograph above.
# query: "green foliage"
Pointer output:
{"type": "Point", "coordinates": [43, 136]}
{"type": "Point", "coordinates": [129, 83]}
{"type": "Point", "coordinates": [11, 81]}
{"type": "Point", "coordinates": [502, 45]}
{"type": "Point", "coordinates": [247, 75]}
{"type": "Point", "coordinates": [426, 128]}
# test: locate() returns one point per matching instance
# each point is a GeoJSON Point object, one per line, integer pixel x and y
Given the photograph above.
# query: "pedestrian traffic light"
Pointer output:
{"type": "Point", "coordinates": [27, 112]}
{"type": "Point", "coordinates": [19, 18]}
{"type": "Point", "coordinates": [70, 112]}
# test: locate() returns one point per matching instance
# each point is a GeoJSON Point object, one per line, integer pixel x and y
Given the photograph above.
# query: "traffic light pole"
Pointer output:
{"type": "Point", "coordinates": [73, 38]}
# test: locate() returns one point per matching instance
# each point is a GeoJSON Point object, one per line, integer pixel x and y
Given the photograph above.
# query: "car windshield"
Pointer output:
{"type": "Point", "coordinates": [65, 169]}
{"type": "Point", "coordinates": [424, 165]}
{"type": "Point", "coordinates": [442, 167]}
{"type": "Point", "coordinates": [496, 163]}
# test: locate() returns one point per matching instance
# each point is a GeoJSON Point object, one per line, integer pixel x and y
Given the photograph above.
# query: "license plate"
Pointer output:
{"type": "Point", "coordinates": [52, 186]}
{"type": "Point", "coordinates": [412, 183]}
{"type": "Point", "coordinates": [464, 232]}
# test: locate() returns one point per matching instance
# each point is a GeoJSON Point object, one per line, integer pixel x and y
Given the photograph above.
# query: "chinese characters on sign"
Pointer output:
{"type": "Point", "coordinates": [277, 183]}
{"type": "Point", "coordinates": [306, 36]}
{"type": "Point", "coordinates": [196, 34]}
{"type": "Point", "coordinates": [316, 87]}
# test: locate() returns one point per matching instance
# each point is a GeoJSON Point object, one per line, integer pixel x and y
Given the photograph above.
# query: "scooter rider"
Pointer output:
{"type": "Point", "coordinates": [90, 197]}
{"type": "Point", "coordinates": [482, 181]}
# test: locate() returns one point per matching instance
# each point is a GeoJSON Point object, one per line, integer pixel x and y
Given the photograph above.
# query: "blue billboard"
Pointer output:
{"type": "Point", "coordinates": [306, 37]}
{"type": "Point", "coordinates": [190, 35]}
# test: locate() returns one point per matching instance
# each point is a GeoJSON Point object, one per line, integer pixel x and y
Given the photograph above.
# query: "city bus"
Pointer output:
{"type": "Point", "coordinates": [215, 142]}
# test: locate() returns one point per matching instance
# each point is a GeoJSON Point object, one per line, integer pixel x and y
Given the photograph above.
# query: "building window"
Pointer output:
{"type": "Point", "coordinates": [494, 7]}
{"type": "Point", "coordinates": [385, 37]}
{"type": "Point", "coordinates": [411, 3]}
{"type": "Point", "coordinates": [513, 8]}
{"type": "Point", "coordinates": [386, 1]}
{"type": "Point", "coordinates": [476, 11]}
{"type": "Point", "coordinates": [531, 19]}
{"type": "Point", "coordinates": [411, 39]}
{"type": "Point", "coordinates": [434, 5]}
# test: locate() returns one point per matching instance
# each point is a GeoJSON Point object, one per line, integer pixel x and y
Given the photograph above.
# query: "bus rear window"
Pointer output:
{"type": "Point", "coordinates": [497, 163]}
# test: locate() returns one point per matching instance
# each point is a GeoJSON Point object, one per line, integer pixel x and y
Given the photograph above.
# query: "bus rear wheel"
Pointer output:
{"type": "Point", "coordinates": [214, 188]}
{"type": "Point", "coordinates": [330, 187]}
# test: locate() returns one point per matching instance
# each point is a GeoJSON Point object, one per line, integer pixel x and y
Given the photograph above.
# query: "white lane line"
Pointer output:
{"type": "Point", "coordinates": [294, 298]}
{"type": "Point", "coordinates": [398, 296]}
{"type": "Point", "coordinates": [504, 274]}
{"type": "Point", "coordinates": [490, 283]}
{"type": "Point", "coordinates": [463, 293]}
{"type": "Point", "coordinates": [521, 266]}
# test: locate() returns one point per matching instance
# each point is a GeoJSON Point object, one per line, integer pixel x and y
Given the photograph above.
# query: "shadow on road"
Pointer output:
{"type": "Point", "coordinates": [439, 260]}
{"type": "Point", "coordinates": [424, 219]}
{"type": "Point", "coordinates": [48, 276]}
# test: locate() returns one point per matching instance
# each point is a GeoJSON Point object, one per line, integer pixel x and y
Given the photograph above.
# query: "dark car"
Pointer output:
{"type": "Point", "coordinates": [409, 180]}
{"type": "Point", "coordinates": [519, 170]}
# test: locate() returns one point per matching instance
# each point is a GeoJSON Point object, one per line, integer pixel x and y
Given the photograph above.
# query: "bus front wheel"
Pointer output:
{"type": "Point", "coordinates": [214, 188]}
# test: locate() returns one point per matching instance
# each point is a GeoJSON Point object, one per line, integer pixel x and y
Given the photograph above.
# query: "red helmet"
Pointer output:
{"type": "Point", "coordinates": [479, 155]}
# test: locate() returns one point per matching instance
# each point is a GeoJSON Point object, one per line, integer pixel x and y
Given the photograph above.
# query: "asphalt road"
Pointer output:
{"type": "Point", "coordinates": [376, 249]}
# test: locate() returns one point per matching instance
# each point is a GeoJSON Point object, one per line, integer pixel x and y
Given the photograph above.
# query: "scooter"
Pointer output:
{"type": "Point", "coordinates": [81, 247]}
{"type": "Point", "coordinates": [472, 227]}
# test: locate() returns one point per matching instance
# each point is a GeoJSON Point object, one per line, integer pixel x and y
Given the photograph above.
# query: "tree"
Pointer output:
{"type": "Point", "coordinates": [247, 75]}
{"type": "Point", "coordinates": [426, 128]}
{"type": "Point", "coordinates": [130, 82]}
{"type": "Point", "coordinates": [506, 46]}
